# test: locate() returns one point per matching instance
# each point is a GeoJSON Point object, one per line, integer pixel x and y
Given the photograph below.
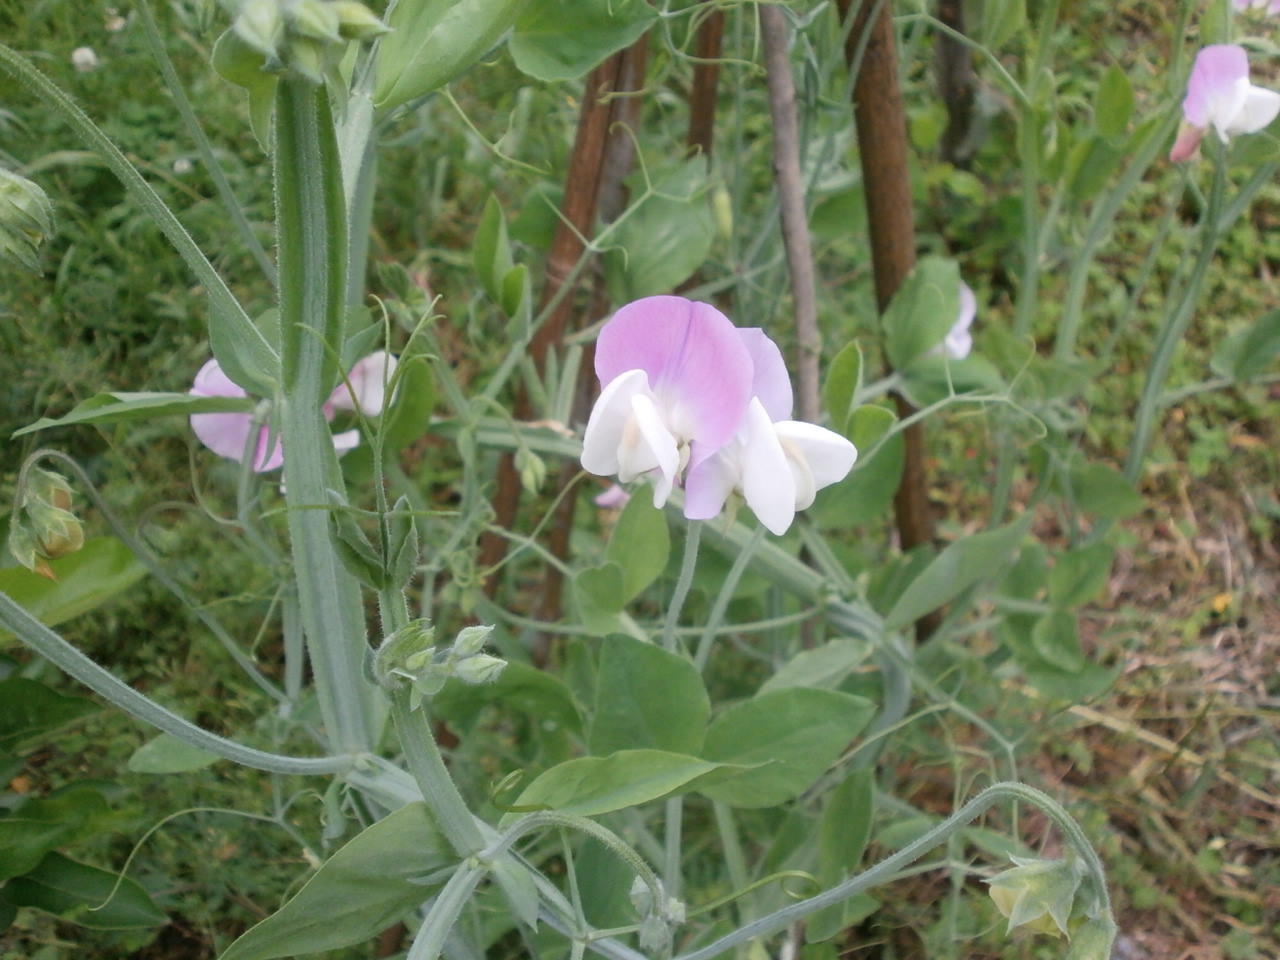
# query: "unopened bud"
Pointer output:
{"type": "Point", "coordinates": [413, 643]}
{"type": "Point", "coordinates": [260, 26]}
{"type": "Point", "coordinates": [532, 468]}
{"type": "Point", "coordinates": [471, 640]}
{"type": "Point", "coordinates": [317, 19]}
{"type": "Point", "coordinates": [1038, 894]}
{"type": "Point", "coordinates": [479, 669]}
{"type": "Point", "coordinates": [358, 22]}
{"type": "Point", "coordinates": [26, 219]}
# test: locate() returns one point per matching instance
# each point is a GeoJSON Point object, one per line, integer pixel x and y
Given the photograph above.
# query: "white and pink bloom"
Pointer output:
{"type": "Point", "coordinates": [1265, 6]}
{"type": "Point", "coordinates": [1219, 95]}
{"type": "Point", "coordinates": [227, 434]}
{"type": "Point", "coordinates": [688, 397]}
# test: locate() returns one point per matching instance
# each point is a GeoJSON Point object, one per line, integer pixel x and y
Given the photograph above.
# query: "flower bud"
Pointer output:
{"type": "Point", "coordinates": [471, 640]}
{"type": "Point", "coordinates": [413, 644]}
{"type": "Point", "coordinates": [479, 669]}
{"type": "Point", "coordinates": [260, 26]}
{"type": "Point", "coordinates": [317, 19]}
{"type": "Point", "coordinates": [43, 527]}
{"type": "Point", "coordinates": [26, 219]}
{"type": "Point", "coordinates": [532, 469]}
{"type": "Point", "coordinates": [1038, 894]}
{"type": "Point", "coordinates": [358, 22]}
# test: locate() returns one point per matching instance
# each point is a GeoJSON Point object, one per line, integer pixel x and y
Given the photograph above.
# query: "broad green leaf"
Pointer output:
{"type": "Point", "coordinates": [85, 895]}
{"type": "Point", "coordinates": [665, 238]}
{"type": "Point", "coordinates": [432, 41]}
{"type": "Point", "coordinates": [1056, 638]}
{"type": "Point", "coordinates": [1104, 492]}
{"type": "Point", "coordinates": [1090, 165]}
{"type": "Point", "coordinates": [516, 299]}
{"type": "Point", "coordinates": [865, 495]}
{"type": "Point", "coordinates": [929, 379]}
{"type": "Point", "coordinates": [647, 697]}
{"type": "Point", "coordinates": [640, 545]}
{"type": "Point", "coordinates": [86, 579]}
{"type": "Point", "coordinates": [1025, 635]}
{"type": "Point", "coordinates": [843, 384]}
{"type": "Point", "coordinates": [957, 568]}
{"type": "Point", "coordinates": [604, 883]}
{"type": "Point", "coordinates": [922, 311]}
{"type": "Point", "coordinates": [795, 733]}
{"type": "Point", "coordinates": [1001, 21]}
{"type": "Point", "coordinates": [243, 353]}
{"type": "Point", "coordinates": [824, 667]}
{"type": "Point", "coordinates": [369, 884]}
{"type": "Point", "coordinates": [563, 39]}
{"type": "Point", "coordinates": [411, 405]}
{"type": "Point", "coordinates": [591, 786]}
{"type": "Point", "coordinates": [843, 833]}
{"type": "Point", "coordinates": [520, 687]}
{"type": "Point", "coordinates": [120, 407]}
{"type": "Point", "coordinates": [43, 824]}
{"type": "Point", "coordinates": [867, 424]}
{"type": "Point", "coordinates": [1114, 105]}
{"type": "Point", "coordinates": [1251, 351]}
{"type": "Point", "coordinates": [598, 593]}
{"type": "Point", "coordinates": [167, 754]}
{"type": "Point", "coordinates": [491, 249]}
{"type": "Point", "coordinates": [1079, 575]}
{"type": "Point", "coordinates": [519, 888]}
{"type": "Point", "coordinates": [29, 709]}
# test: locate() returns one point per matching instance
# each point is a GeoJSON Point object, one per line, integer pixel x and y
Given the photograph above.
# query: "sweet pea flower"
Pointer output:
{"type": "Point", "coordinates": [689, 396]}
{"type": "Point", "coordinates": [227, 434]}
{"type": "Point", "coordinates": [673, 372]}
{"type": "Point", "coordinates": [1219, 95]}
{"type": "Point", "coordinates": [959, 341]}
{"type": "Point", "coordinates": [1266, 6]}
{"type": "Point", "coordinates": [776, 464]}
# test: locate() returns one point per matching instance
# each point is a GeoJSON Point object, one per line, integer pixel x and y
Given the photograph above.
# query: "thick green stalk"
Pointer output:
{"type": "Point", "coordinates": [311, 221]}
{"type": "Point", "coordinates": [75, 664]}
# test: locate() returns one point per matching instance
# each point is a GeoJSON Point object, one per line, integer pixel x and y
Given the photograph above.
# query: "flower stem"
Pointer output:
{"type": "Point", "coordinates": [685, 581]}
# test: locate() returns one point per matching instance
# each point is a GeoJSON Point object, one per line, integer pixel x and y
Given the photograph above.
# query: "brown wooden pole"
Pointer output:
{"type": "Point", "coordinates": [706, 83]}
{"type": "Point", "coordinates": [882, 146]}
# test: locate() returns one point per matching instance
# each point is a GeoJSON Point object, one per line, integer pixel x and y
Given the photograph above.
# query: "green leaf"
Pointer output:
{"type": "Point", "coordinates": [29, 709]}
{"type": "Point", "coordinates": [491, 249]}
{"type": "Point", "coordinates": [824, 667]}
{"type": "Point", "coordinates": [411, 405]}
{"type": "Point", "coordinates": [85, 895]}
{"type": "Point", "coordinates": [598, 594]}
{"type": "Point", "coordinates": [238, 63]}
{"type": "Point", "coordinates": [432, 41]}
{"type": "Point", "coordinates": [843, 833]}
{"type": "Point", "coordinates": [865, 495]}
{"type": "Point", "coordinates": [1080, 574]}
{"type": "Point", "coordinates": [519, 687]}
{"type": "Point", "coordinates": [563, 39]}
{"type": "Point", "coordinates": [665, 238]}
{"type": "Point", "coordinates": [796, 733]}
{"type": "Point", "coordinates": [42, 824]}
{"type": "Point", "coordinates": [591, 786]}
{"type": "Point", "coordinates": [960, 566]}
{"type": "Point", "coordinates": [1249, 352]}
{"type": "Point", "coordinates": [167, 754]}
{"type": "Point", "coordinates": [516, 297]}
{"type": "Point", "coordinates": [843, 384]}
{"type": "Point", "coordinates": [640, 545]}
{"type": "Point", "coordinates": [1090, 165]}
{"type": "Point", "coordinates": [922, 311]}
{"type": "Point", "coordinates": [929, 379]}
{"type": "Point", "coordinates": [1001, 21]}
{"type": "Point", "coordinates": [1102, 490]}
{"type": "Point", "coordinates": [1056, 638]}
{"type": "Point", "coordinates": [1114, 105]}
{"type": "Point", "coordinates": [86, 579]}
{"type": "Point", "coordinates": [369, 884]}
{"type": "Point", "coordinates": [121, 407]}
{"type": "Point", "coordinates": [647, 697]}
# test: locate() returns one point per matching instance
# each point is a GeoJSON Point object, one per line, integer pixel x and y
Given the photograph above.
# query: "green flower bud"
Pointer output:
{"type": "Point", "coordinates": [261, 26]}
{"type": "Point", "coordinates": [316, 19]}
{"type": "Point", "coordinates": [1038, 894]}
{"type": "Point", "coordinates": [533, 471]}
{"type": "Point", "coordinates": [358, 22]}
{"type": "Point", "coordinates": [479, 669]}
{"type": "Point", "coordinates": [471, 640]}
{"type": "Point", "coordinates": [1093, 940]}
{"type": "Point", "coordinates": [43, 527]}
{"type": "Point", "coordinates": [26, 219]}
{"type": "Point", "coordinates": [414, 642]}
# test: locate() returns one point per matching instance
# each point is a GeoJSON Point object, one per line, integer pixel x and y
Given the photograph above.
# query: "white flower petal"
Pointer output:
{"type": "Point", "coordinates": [648, 445]}
{"type": "Point", "coordinates": [828, 457]}
{"type": "Point", "coordinates": [1259, 109]}
{"type": "Point", "coordinates": [768, 483]}
{"type": "Point", "coordinates": [608, 423]}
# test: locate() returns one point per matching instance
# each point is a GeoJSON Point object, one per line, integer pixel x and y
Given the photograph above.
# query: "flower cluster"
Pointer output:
{"type": "Point", "coordinates": [1219, 95]}
{"type": "Point", "coordinates": [227, 434]}
{"type": "Point", "coordinates": [689, 398]}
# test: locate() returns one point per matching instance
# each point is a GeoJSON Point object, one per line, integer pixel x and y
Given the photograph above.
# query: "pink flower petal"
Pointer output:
{"type": "Point", "coordinates": [697, 364]}
{"type": "Point", "coordinates": [770, 383]}
{"type": "Point", "coordinates": [1213, 92]}
{"type": "Point", "coordinates": [368, 378]}
{"type": "Point", "coordinates": [1187, 145]}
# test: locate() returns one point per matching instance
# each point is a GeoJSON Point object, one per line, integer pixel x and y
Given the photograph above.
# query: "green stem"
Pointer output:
{"type": "Point", "coordinates": [685, 581]}
{"type": "Point", "coordinates": [889, 867]}
{"type": "Point", "coordinates": [432, 776]}
{"type": "Point", "coordinates": [444, 913]}
{"type": "Point", "coordinates": [248, 339]}
{"type": "Point", "coordinates": [311, 220]}
{"type": "Point", "coordinates": [75, 664]}
{"type": "Point", "coordinates": [740, 564]}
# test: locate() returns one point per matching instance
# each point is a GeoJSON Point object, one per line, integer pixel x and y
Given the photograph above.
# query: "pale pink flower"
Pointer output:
{"type": "Point", "coordinates": [1219, 95]}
